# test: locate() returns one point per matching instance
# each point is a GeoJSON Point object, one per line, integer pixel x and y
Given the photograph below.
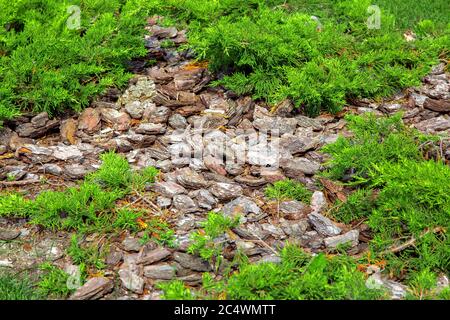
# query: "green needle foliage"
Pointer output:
{"type": "Point", "coordinates": [88, 207]}
{"type": "Point", "coordinates": [89, 256]}
{"type": "Point", "coordinates": [13, 205]}
{"type": "Point", "coordinates": [357, 205]}
{"type": "Point", "coordinates": [288, 190]}
{"type": "Point", "coordinates": [413, 202]}
{"type": "Point", "coordinates": [271, 49]}
{"type": "Point", "coordinates": [276, 53]}
{"type": "Point", "coordinates": [14, 287]}
{"type": "Point", "coordinates": [301, 277]}
{"type": "Point", "coordinates": [423, 286]}
{"type": "Point", "coordinates": [160, 232]}
{"type": "Point", "coordinates": [143, 178]}
{"type": "Point", "coordinates": [409, 13]}
{"type": "Point", "coordinates": [204, 241]}
{"type": "Point", "coordinates": [126, 219]}
{"type": "Point", "coordinates": [74, 208]}
{"type": "Point", "coordinates": [375, 140]}
{"type": "Point", "coordinates": [298, 277]}
{"type": "Point", "coordinates": [404, 197]}
{"type": "Point", "coordinates": [114, 173]}
{"type": "Point", "coordinates": [47, 65]}
{"type": "Point", "coordinates": [175, 290]}
{"type": "Point", "coordinates": [53, 282]}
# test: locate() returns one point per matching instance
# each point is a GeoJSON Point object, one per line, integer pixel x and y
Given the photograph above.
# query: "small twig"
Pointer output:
{"type": "Point", "coordinates": [403, 246]}
{"type": "Point", "coordinates": [360, 223]}
{"type": "Point", "coordinates": [132, 203]}
{"type": "Point", "coordinates": [154, 206]}
{"type": "Point", "coordinates": [100, 243]}
{"type": "Point", "coordinates": [335, 207]}
{"type": "Point", "coordinates": [410, 242]}
{"type": "Point", "coordinates": [278, 208]}
{"type": "Point", "coordinates": [18, 183]}
{"type": "Point", "coordinates": [424, 144]}
{"type": "Point", "coordinates": [57, 184]}
{"type": "Point", "coordinates": [264, 243]}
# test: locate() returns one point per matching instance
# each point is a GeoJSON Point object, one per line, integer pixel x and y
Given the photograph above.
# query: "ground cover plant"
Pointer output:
{"type": "Point", "coordinates": [299, 276]}
{"type": "Point", "coordinates": [50, 282]}
{"type": "Point", "coordinates": [394, 189]}
{"type": "Point", "coordinates": [408, 13]}
{"type": "Point", "coordinates": [53, 282]}
{"type": "Point", "coordinates": [89, 207]}
{"type": "Point", "coordinates": [204, 241]}
{"type": "Point", "coordinates": [288, 190]}
{"type": "Point", "coordinates": [271, 49]}
{"type": "Point", "coordinates": [353, 158]}
{"type": "Point", "coordinates": [51, 61]}
{"type": "Point", "coordinates": [16, 287]}
{"type": "Point", "coordinates": [276, 53]}
{"type": "Point", "coordinates": [321, 54]}
{"type": "Point", "coordinates": [90, 256]}
{"type": "Point", "coordinates": [97, 205]}
{"type": "Point", "coordinates": [158, 231]}
{"type": "Point", "coordinates": [401, 195]}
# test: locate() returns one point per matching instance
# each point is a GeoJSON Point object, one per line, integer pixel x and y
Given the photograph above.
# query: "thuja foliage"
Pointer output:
{"type": "Point", "coordinates": [357, 205]}
{"type": "Point", "coordinates": [423, 287]}
{"type": "Point", "coordinates": [87, 207]}
{"type": "Point", "coordinates": [115, 174]}
{"type": "Point", "coordinates": [74, 208]}
{"type": "Point", "coordinates": [127, 219]}
{"type": "Point", "coordinates": [299, 276]}
{"type": "Point", "coordinates": [50, 282]}
{"type": "Point", "coordinates": [48, 62]}
{"type": "Point", "coordinates": [414, 203]}
{"type": "Point", "coordinates": [402, 196]}
{"type": "Point", "coordinates": [153, 229]}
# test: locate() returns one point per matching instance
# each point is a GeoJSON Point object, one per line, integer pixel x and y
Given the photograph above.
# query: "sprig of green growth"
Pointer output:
{"type": "Point", "coordinates": [53, 282]}
{"type": "Point", "coordinates": [208, 242]}
{"type": "Point", "coordinates": [288, 190]}
{"type": "Point", "coordinates": [160, 232]}
{"type": "Point", "coordinates": [89, 256]}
